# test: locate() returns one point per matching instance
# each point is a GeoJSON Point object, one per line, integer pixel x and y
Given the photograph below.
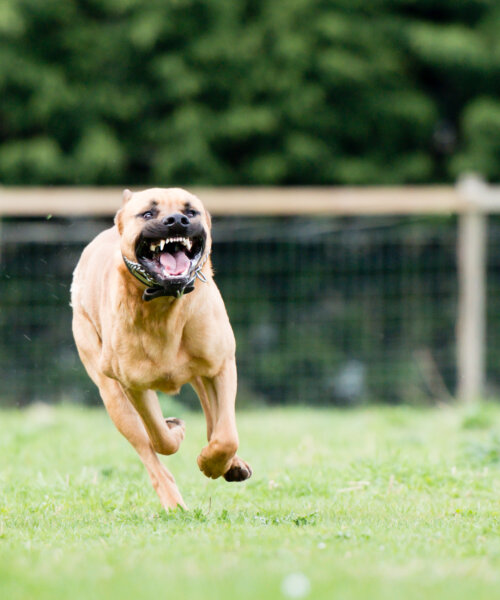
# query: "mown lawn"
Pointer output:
{"type": "Point", "coordinates": [375, 503]}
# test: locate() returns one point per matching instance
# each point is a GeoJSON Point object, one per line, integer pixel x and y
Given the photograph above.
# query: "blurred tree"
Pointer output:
{"type": "Point", "coordinates": [249, 92]}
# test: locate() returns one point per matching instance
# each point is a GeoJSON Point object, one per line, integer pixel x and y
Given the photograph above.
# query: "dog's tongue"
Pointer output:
{"type": "Point", "coordinates": [174, 264]}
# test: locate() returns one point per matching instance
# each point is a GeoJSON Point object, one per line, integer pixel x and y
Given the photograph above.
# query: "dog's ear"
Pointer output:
{"type": "Point", "coordinates": [209, 218]}
{"type": "Point", "coordinates": [127, 194]}
{"type": "Point", "coordinates": [119, 221]}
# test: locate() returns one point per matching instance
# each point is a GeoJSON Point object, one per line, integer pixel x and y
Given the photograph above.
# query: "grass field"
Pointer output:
{"type": "Point", "coordinates": [376, 503]}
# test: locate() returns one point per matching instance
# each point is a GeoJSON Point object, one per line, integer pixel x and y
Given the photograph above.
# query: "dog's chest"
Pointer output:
{"type": "Point", "coordinates": [162, 361]}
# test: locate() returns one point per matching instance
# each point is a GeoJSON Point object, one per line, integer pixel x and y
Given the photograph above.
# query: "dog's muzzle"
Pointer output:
{"type": "Point", "coordinates": [169, 259]}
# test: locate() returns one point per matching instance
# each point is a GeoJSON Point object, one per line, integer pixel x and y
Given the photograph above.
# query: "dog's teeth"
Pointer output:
{"type": "Point", "coordinates": [173, 240]}
{"type": "Point", "coordinates": [152, 247]}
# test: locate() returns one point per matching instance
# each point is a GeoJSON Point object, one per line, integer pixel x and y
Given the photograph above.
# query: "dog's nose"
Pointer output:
{"type": "Point", "coordinates": [176, 219]}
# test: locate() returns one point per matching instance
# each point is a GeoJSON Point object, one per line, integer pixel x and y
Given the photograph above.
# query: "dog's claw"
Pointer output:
{"type": "Point", "coordinates": [238, 472]}
{"type": "Point", "coordinates": [174, 421]}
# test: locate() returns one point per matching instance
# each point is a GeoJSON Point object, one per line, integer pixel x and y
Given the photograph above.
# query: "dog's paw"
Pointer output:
{"type": "Point", "coordinates": [238, 471]}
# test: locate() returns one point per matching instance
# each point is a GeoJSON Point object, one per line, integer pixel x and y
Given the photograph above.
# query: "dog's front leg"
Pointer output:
{"type": "Point", "coordinates": [128, 422]}
{"type": "Point", "coordinates": [217, 397]}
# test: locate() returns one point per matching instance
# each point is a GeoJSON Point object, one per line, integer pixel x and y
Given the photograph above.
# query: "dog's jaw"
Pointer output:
{"type": "Point", "coordinates": [170, 259]}
{"type": "Point", "coordinates": [169, 266]}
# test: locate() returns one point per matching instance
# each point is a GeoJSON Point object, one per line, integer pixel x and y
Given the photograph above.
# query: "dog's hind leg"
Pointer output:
{"type": "Point", "coordinates": [124, 415]}
{"type": "Point", "coordinates": [131, 426]}
{"type": "Point", "coordinates": [166, 435]}
{"type": "Point", "coordinates": [217, 397]}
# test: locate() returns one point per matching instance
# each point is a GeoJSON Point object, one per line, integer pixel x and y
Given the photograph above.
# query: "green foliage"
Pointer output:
{"type": "Point", "coordinates": [481, 126]}
{"type": "Point", "coordinates": [386, 503]}
{"type": "Point", "coordinates": [222, 92]}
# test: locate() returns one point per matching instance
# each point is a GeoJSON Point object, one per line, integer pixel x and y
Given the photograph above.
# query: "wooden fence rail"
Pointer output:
{"type": "Point", "coordinates": [341, 201]}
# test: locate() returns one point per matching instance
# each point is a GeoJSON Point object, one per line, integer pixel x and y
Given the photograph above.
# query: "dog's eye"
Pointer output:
{"type": "Point", "coordinates": [190, 213]}
{"type": "Point", "coordinates": [147, 215]}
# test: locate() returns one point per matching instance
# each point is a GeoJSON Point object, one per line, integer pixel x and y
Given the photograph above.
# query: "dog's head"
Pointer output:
{"type": "Point", "coordinates": [166, 231]}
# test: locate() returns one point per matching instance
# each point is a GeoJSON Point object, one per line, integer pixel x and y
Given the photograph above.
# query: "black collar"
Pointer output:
{"type": "Point", "coordinates": [154, 290]}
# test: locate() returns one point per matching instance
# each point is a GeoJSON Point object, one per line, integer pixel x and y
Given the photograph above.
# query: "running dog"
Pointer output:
{"type": "Point", "coordinates": [148, 316]}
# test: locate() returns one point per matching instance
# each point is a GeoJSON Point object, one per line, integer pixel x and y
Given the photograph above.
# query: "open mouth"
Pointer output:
{"type": "Point", "coordinates": [171, 258]}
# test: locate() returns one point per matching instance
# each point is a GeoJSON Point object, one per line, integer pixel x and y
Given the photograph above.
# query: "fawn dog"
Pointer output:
{"type": "Point", "coordinates": [148, 316]}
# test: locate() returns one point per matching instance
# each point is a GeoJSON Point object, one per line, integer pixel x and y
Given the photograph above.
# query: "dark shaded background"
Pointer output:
{"type": "Point", "coordinates": [326, 311]}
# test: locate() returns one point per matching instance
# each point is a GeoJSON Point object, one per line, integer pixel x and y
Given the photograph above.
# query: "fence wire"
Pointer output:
{"type": "Point", "coordinates": [493, 307]}
{"type": "Point", "coordinates": [326, 311]}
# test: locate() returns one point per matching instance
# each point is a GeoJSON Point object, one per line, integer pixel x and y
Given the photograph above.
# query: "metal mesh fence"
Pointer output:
{"type": "Point", "coordinates": [493, 307]}
{"type": "Point", "coordinates": [325, 310]}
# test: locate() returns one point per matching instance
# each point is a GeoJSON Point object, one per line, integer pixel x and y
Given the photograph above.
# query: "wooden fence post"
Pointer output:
{"type": "Point", "coordinates": [471, 323]}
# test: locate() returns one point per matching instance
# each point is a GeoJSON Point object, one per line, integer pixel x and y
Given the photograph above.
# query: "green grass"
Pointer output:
{"type": "Point", "coordinates": [376, 504]}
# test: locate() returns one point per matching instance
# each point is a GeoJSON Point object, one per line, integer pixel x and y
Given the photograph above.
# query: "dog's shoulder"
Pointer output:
{"type": "Point", "coordinates": [103, 247]}
{"type": "Point", "coordinates": [108, 237]}
{"type": "Point", "coordinates": [95, 262]}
